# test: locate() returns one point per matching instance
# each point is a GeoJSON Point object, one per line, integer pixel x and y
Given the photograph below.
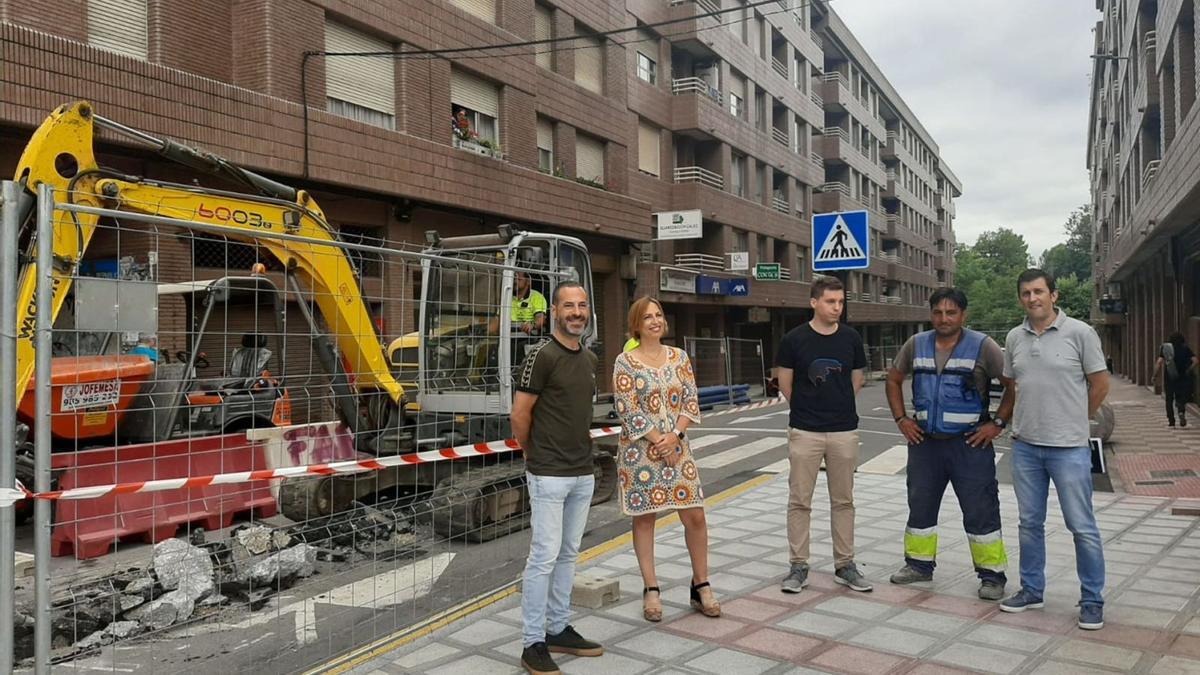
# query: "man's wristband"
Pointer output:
{"type": "Point", "coordinates": [900, 418]}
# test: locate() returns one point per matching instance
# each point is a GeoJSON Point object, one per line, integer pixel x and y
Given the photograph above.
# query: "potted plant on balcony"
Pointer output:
{"type": "Point", "coordinates": [466, 138]}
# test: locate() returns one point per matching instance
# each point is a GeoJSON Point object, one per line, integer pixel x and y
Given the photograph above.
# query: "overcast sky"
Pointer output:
{"type": "Point", "coordinates": [1002, 86]}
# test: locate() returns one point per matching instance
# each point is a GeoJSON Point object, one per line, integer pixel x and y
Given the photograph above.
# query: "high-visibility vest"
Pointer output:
{"type": "Point", "coordinates": [947, 402]}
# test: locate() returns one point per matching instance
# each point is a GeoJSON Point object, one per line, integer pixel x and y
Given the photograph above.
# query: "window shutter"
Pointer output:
{"type": "Point", "coordinates": [543, 29]}
{"type": "Point", "coordinates": [118, 26]}
{"type": "Point", "coordinates": [589, 64]}
{"type": "Point", "coordinates": [475, 93]}
{"type": "Point", "coordinates": [367, 81]}
{"type": "Point", "coordinates": [545, 134]}
{"type": "Point", "coordinates": [648, 146]}
{"type": "Point", "coordinates": [484, 9]}
{"type": "Point", "coordinates": [647, 44]}
{"type": "Point", "coordinates": [589, 158]}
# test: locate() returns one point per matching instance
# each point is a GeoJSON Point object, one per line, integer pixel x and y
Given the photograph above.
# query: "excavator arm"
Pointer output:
{"type": "Point", "coordinates": [61, 155]}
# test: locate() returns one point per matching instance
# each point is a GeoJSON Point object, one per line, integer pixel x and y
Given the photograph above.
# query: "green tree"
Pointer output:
{"type": "Point", "coordinates": [1075, 296]}
{"type": "Point", "coordinates": [1073, 257]}
{"type": "Point", "coordinates": [987, 272]}
{"type": "Point", "coordinates": [1002, 251]}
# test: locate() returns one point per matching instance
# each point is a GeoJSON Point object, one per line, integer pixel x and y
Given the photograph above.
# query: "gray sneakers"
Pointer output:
{"type": "Point", "coordinates": [991, 590]}
{"type": "Point", "coordinates": [850, 576]}
{"type": "Point", "coordinates": [796, 579]}
{"type": "Point", "coordinates": [910, 575]}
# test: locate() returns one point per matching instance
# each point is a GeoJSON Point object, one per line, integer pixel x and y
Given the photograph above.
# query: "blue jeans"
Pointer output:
{"type": "Point", "coordinates": [1033, 467]}
{"type": "Point", "coordinates": [559, 510]}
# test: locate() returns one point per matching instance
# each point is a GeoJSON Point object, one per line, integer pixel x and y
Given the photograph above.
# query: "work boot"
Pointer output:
{"type": "Point", "coordinates": [536, 659]}
{"type": "Point", "coordinates": [910, 575]}
{"type": "Point", "coordinates": [571, 642]}
{"type": "Point", "coordinates": [991, 590]}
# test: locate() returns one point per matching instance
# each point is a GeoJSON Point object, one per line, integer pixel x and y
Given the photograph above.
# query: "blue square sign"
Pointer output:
{"type": "Point", "coordinates": [840, 241]}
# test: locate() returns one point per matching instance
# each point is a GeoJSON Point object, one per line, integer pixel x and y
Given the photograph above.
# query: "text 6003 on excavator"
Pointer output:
{"type": "Point", "coordinates": [464, 351]}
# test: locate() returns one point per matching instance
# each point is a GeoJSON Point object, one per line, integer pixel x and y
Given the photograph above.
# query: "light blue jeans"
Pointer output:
{"type": "Point", "coordinates": [559, 511]}
{"type": "Point", "coordinates": [1033, 467]}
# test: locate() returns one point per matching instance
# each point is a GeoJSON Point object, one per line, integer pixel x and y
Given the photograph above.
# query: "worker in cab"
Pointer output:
{"type": "Point", "coordinates": [147, 345]}
{"type": "Point", "coordinates": [528, 307]}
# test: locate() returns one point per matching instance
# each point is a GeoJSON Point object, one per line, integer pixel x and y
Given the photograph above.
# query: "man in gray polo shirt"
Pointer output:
{"type": "Point", "coordinates": [1062, 379]}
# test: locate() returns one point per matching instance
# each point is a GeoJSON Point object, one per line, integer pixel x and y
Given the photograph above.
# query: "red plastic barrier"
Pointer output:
{"type": "Point", "coordinates": [89, 527]}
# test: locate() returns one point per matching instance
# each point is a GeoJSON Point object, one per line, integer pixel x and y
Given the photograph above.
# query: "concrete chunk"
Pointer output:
{"type": "Point", "coordinates": [595, 592]}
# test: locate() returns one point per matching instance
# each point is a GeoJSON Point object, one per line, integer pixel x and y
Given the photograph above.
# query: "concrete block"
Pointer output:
{"type": "Point", "coordinates": [595, 592]}
{"type": "Point", "coordinates": [23, 564]}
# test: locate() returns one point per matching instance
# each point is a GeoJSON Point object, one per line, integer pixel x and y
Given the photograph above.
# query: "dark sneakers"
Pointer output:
{"type": "Point", "coordinates": [571, 642]}
{"type": "Point", "coordinates": [536, 659]}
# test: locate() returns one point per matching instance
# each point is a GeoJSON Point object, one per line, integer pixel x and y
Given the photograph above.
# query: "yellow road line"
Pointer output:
{"type": "Point", "coordinates": [410, 634]}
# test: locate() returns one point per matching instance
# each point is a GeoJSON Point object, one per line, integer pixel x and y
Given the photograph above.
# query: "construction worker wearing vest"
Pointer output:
{"type": "Point", "coordinates": [950, 438]}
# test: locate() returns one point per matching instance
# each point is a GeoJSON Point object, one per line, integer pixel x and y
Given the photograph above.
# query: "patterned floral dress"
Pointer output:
{"type": "Point", "coordinates": [647, 398]}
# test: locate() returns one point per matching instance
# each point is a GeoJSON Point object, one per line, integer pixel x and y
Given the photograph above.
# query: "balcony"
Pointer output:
{"type": "Point", "coordinates": [817, 40]}
{"type": "Point", "coordinates": [1150, 172]}
{"type": "Point", "coordinates": [817, 98]}
{"type": "Point", "coordinates": [709, 6]}
{"type": "Point", "coordinates": [836, 187]}
{"type": "Point", "coordinates": [695, 85]}
{"type": "Point", "coordinates": [779, 204]}
{"type": "Point", "coordinates": [779, 67]}
{"type": "Point", "coordinates": [699, 174]}
{"type": "Point", "coordinates": [780, 136]}
{"type": "Point", "coordinates": [700, 262]}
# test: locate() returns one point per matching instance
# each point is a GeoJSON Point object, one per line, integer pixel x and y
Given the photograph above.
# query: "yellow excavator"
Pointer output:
{"type": "Point", "coordinates": [464, 391]}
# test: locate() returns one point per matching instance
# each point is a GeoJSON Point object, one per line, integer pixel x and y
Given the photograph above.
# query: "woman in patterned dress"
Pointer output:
{"type": "Point", "coordinates": [656, 399]}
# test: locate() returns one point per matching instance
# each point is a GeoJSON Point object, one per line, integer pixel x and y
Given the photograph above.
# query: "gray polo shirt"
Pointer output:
{"type": "Point", "coordinates": [1051, 372]}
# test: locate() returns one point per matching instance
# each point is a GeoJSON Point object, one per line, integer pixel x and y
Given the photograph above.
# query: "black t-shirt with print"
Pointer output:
{"type": "Point", "coordinates": [564, 380]}
{"type": "Point", "coordinates": [822, 391]}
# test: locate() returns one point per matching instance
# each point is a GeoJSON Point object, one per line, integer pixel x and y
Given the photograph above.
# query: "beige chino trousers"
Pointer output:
{"type": "Point", "coordinates": [806, 449]}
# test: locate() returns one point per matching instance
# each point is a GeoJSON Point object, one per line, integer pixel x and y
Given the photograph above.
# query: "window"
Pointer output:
{"type": "Point", "coordinates": [802, 264]}
{"type": "Point", "coordinates": [741, 241]}
{"type": "Point", "coordinates": [484, 9]}
{"type": "Point", "coordinates": [589, 64]}
{"type": "Point", "coordinates": [761, 241]}
{"type": "Point", "coordinates": [589, 158]}
{"type": "Point", "coordinates": [118, 26]}
{"type": "Point", "coordinates": [737, 183]}
{"type": "Point", "coordinates": [362, 88]}
{"type": "Point", "coordinates": [543, 29]}
{"type": "Point", "coordinates": [479, 101]}
{"type": "Point", "coordinates": [736, 106]}
{"type": "Point", "coordinates": [647, 69]}
{"type": "Point", "coordinates": [648, 147]}
{"type": "Point", "coordinates": [545, 144]}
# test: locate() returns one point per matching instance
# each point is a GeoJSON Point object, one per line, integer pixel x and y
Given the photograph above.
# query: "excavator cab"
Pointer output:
{"type": "Point", "coordinates": [475, 325]}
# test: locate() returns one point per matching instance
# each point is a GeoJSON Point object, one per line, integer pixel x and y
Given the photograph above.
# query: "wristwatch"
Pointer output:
{"type": "Point", "coordinates": [678, 434]}
{"type": "Point", "coordinates": [999, 422]}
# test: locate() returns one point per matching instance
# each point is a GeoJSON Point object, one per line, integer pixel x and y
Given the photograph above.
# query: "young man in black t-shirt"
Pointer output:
{"type": "Point", "coordinates": [821, 366]}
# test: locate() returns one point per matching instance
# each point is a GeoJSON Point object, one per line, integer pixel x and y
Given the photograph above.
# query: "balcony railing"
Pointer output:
{"type": "Point", "coordinates": [835, 186]}
{"type": "Point", "coordinates": [779, 204]}
{"type": "Point", "coordinates": [785, 274]}
{"type": "Point", "coordinates": [836, 131]}
{"type": "Point", "coordinates": [835, 76]}
{"type": "Point", "coordinates": [892, 135]}
{"type": "Point", "coordinates": [695, 85]}
{"type": "Point", "coordinates": [700, 262]}
{"type": "Point", "coordinates": [817, 160]}
{"type": "Point", "coordinates": [709, 6]}
{"type": "Point", "coordinates": [780, 136]}
{"type": "Point", "coordinates": [699, 174]}
{"type": "Point", "coordinates": [1150, 172]}
{"type": "Point", "coordinates": [780, 67]}
{"type": "Point", "coordinates": [817, 98]}
{"type": "Point", "coordinates": [816, 39]}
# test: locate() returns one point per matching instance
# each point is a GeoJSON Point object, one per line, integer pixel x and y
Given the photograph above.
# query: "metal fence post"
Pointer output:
{"type": "Point", "coordinates": [727, 348]}
{"type": "Point", "coordinates": [41, 436]}
{"type": "Point", "coordinates": [10, 194]}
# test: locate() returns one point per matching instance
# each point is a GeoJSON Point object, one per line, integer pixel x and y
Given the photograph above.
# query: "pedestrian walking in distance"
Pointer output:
{"type": "Point", "coordinates": [950, 436]}
{"type": "Point", "coordinates": [551, 417]}
{"type": "Point", "coordinates": [655, 393]}
{"type": "Point", "coordinates": [1177, 364]}
{"type": "Point", "coordinates": [1061, 379]}
{"type": "Point", "coordinates": [820, 371]}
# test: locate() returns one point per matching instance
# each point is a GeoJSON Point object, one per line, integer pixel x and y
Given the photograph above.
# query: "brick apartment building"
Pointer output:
{"type": "Point", "coordinates": [758, 124]}
{"type": "Point", "coordinates": [1143, 138]}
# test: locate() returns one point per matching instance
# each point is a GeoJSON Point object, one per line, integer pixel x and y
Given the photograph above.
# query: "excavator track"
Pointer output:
{"type": "Point", "coordinates": [479, 505]}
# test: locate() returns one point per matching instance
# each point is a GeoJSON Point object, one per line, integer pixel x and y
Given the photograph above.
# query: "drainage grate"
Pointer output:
{"type": "Point", "coordinates": [1153, 482]}
{"type": "Point", "coordinates": [1173, 473]}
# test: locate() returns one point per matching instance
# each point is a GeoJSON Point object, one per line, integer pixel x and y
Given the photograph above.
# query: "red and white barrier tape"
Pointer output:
{"type": "Point", "coordinates": [8, 497]}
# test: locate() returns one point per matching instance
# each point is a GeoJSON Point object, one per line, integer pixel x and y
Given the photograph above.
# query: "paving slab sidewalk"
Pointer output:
{"type": "Point", "coordinates": [1149, 457]}
{"type": "Point", "coordinates": [936, 627]}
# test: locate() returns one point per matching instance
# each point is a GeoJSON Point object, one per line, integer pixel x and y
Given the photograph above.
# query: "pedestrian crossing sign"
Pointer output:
{"type": "Point", "coordinates": [840, 241]}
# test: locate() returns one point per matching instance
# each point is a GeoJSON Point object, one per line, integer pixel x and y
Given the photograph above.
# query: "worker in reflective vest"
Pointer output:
{"type": "Point", "coordinates": [950, 436]}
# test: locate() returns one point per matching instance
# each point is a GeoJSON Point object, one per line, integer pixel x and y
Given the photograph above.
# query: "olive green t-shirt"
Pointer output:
{"type": "Point", "coordinates": [564, 380]}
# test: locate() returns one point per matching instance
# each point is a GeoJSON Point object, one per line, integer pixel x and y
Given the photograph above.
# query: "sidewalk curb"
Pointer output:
{"type": "Point", "coordinates": [466, 608]}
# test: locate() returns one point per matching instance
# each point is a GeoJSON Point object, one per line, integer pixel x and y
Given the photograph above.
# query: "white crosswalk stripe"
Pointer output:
{"type": "Point", "coordinates": [889, 462]}
{"type": "Point", "coordinates": [710, 439]}
{"type": "Point", "coordinates": [739, 453]}
{"type": "Point", "coordinates": [759, 418]}
{"type": "Point", "coordinates": [778, 467]}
